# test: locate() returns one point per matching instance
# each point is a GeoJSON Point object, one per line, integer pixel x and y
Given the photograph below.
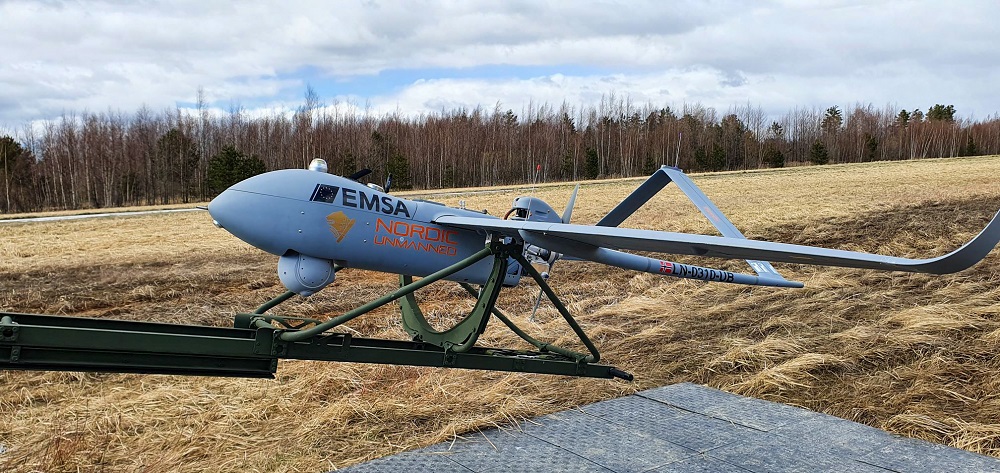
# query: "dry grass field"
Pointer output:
{"type": "Point", "coordinates": [911, 354]}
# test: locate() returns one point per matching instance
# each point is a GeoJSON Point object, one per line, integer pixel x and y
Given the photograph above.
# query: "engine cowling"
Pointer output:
{"type": "Point", "coordinates": [305, 275]}
{"type": "Point", "coordinates": [533, 209]}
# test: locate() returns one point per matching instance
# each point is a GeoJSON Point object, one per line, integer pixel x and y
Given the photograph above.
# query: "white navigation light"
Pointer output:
{"type": "Point", "coordinates": [318, 165]}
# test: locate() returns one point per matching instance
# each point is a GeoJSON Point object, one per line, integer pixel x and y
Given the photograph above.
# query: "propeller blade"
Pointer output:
{"type": "Point", "coordinates": [538, 302]}
{"type": "Point", "coordinates": [360, 174]}
{"type": "Point", "coordinates": [569, 206]}
{"type": "Point", "coordinates": [541, 291]}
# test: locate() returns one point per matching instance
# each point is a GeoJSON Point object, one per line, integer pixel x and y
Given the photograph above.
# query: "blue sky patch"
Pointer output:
{"type": "Point", "coordinates": [391, 81]}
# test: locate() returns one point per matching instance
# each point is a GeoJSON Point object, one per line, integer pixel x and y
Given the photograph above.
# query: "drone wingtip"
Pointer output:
{"type": "Point", "coordinates": [969, 254]}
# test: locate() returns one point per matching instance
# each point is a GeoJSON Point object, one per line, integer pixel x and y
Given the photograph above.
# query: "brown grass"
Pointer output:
{"type": "Point", "coordinates": [913, 354]}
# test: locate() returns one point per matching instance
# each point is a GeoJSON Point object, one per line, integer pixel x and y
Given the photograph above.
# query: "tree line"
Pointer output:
{"type": "Point", "coordinates": [112, 159]}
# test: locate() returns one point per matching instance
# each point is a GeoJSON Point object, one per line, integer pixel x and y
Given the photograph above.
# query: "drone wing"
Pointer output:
{"type": "Point", "coordinates": [560, 237]}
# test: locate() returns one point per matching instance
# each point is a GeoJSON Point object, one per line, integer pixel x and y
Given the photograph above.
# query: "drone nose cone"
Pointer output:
{"type": "Point", "coordinates": [234, 211]}
{"type": "Point", "coordinates": [255, 218]}
{"type": "Point", "coordinates": [224, 208]}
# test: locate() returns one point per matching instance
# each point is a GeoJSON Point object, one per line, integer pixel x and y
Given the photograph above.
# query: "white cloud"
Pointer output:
{"type": "Point", "coordinates": [120, 55]}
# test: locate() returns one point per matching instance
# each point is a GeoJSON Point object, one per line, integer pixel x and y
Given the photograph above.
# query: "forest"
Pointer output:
{"type": "Point", "coordinates": [116, 158]}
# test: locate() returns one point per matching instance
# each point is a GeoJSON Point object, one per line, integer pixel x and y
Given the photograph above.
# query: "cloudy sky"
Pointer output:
{"type": "Point", "coordinates": [424, 56]}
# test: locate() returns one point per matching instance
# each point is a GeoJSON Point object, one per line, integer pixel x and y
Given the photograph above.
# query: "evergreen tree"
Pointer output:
{"type": "Point", "coordinates": [348, 164]}
{"type": "Point", "coordinates": [448, 179]}
{"type": "Point", "coordinates": [903, 119]}
{"type": "Point", "coordinates": [833, 120]}
{"type": "Point", "coordinates": [387, 156]}
{"type": "Point", "coordinates": [592, 165]}
{"type": "Point", "coordinates": [700, 159]}
{"type": "Point", "coordinates": [817, 154]}
{"type": "Point", "coordinates": [776, 131]}
{"type": "Point", "coordinates": [714, 160]}
{"type": "Point", "coordinates": [871, 147]}
{"type": "Point", "coordinates": [379, 152]}
{"type": "Point", "coordinates": [229, 167]}
{"type": "Point", "coordinates": [566, 167]}
{"type": "Point", "coordinates": [717, 161]}
{"type": "Point", "coordinates": [773, 157]}
{"type": "Point", "coordinates": [970, 147]}
{"type": "Point", "coordinates": [665, 115]}
{"type": "Point", "coordinates": [649, 166]}
{"type": "Point", "coordinates": [941, 113]}
{"type": "Point", "coordinates": [399, 168]}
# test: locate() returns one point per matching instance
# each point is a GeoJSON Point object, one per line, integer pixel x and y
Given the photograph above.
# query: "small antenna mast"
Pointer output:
{"type": "Point", "coordinates": [534, 184]}
{"type": "Point", "coordinates": [677, 155]}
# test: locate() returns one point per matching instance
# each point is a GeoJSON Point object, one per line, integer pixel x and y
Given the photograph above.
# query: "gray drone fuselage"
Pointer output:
{"type": "Point", "coordinates": [297, 213]}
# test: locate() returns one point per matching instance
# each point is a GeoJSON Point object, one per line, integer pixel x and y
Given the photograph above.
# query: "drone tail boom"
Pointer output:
{"type": "Point", "coordinates": [620, 259]}
{"type": "Point", "coordinates": [958, 260]}
{"type": "Point", "coordinates": [665, 175]}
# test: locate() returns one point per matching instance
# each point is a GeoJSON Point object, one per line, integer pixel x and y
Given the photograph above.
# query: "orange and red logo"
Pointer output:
{"type": "Point", "coordinates": [414, 236]}
{"type": "Point", "coordinates": [340, 224]}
